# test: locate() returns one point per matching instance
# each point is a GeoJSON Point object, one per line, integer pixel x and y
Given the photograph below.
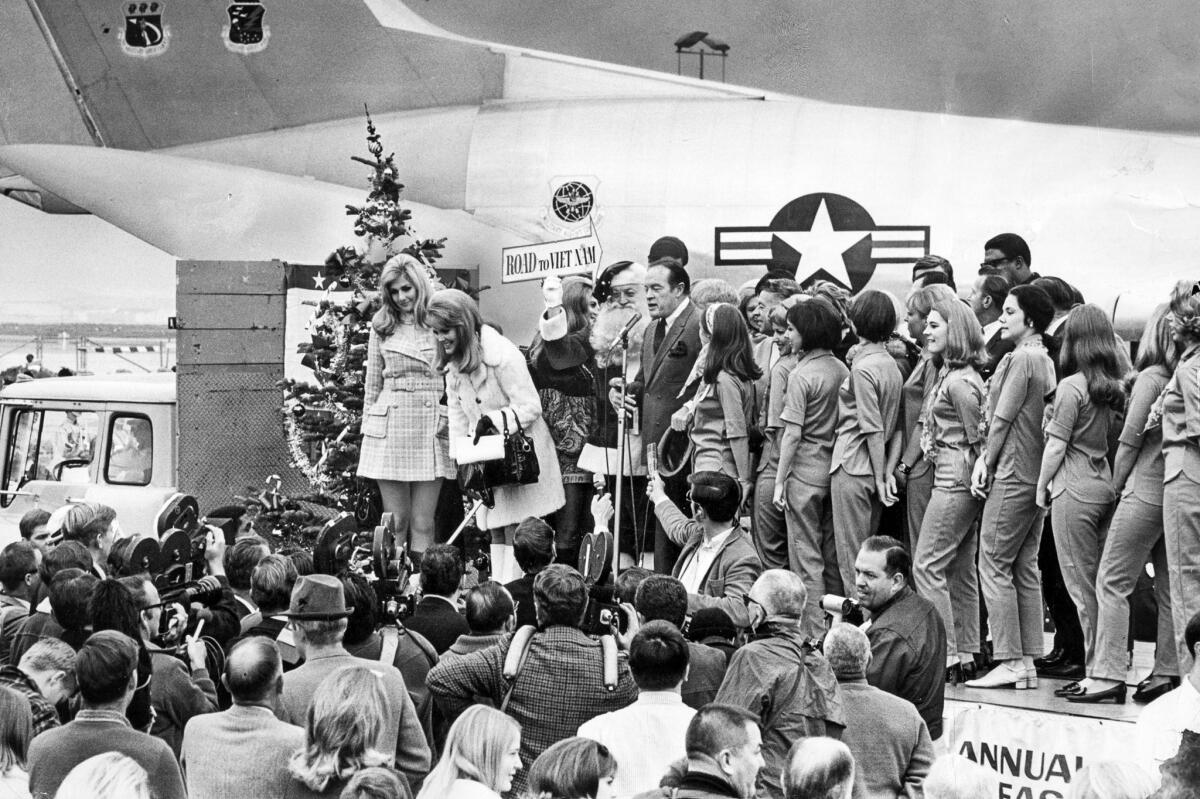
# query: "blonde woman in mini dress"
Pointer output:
{"type": "Point", "coordinates": [405, 447]}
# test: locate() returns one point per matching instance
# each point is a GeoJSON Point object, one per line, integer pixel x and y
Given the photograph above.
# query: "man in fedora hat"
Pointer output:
{"type": "Point", "coordinates": [318, 612]}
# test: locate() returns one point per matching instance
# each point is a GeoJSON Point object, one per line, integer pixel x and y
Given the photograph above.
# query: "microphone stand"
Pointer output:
{"type": "Point", "coordinates": [623, 340]}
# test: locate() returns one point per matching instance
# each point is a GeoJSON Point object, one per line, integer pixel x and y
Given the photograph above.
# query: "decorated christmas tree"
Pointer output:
{"type": "Point", "coordinates": [323, 418]}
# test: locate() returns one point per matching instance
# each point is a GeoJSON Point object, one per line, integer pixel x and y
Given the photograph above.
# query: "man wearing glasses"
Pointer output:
{"type": "Point", "coordinates": [1008, 255]}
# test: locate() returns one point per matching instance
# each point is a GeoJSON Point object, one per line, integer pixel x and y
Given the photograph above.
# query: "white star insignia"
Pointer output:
{"type": "Point", "coordinates": [319, 281]}
{"type": "Point", "coordinates": [822, 247]}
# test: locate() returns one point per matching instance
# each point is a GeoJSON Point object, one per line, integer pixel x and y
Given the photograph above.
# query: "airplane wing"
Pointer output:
{"type": "Point", "coordinates": [156, 74]}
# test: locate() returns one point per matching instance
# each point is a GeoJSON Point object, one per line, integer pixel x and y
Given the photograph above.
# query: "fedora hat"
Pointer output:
{"type": "Point", "coordinates": [318, 597]}
{"type": "Point", "coordinates": [674, 452]}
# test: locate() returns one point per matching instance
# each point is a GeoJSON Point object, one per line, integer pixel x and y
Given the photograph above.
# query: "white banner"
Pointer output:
{"type": "Point", "coordinates": [577, 256]}
{"type": "Point", "coordinates": [1036, 754]}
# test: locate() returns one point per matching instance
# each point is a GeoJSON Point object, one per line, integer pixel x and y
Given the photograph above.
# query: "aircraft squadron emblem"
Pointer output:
{"type": "Point", "coordinates": [573, 201]}
{"type": "Point", "coordinates": [246, 32]}
{"type": "Point", "coordinates": [824, 236]}
{"type": "Point", "coordinates": [144, 32]}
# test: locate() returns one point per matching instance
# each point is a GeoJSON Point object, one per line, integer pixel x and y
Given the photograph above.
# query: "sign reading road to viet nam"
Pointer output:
{"type": "Point", "coordinates": [577, 256]}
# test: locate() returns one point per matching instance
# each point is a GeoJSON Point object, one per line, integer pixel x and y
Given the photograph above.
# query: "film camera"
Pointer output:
{"type": "Point", "coordinates": [842, 609]}
{"type": "Point", "coordinates": [377, 554]}
{"type": "Point", "coordinates": [604, 612]}
{"type": "Point", "coordinates": [175, 562]}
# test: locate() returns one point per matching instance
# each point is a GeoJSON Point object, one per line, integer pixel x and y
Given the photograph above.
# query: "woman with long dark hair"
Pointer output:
{"type": "Point", "coordinates": [486, 375]}
{"type": "Point", "coordinates": [1181, 464]}
{"type": "Point", "coordinates": [1075, 480]}
{"type": "Point", "coordinates": [725, 411]}
{"type": "Point", "coordinates": [1135, 534]}
{"type": "Point", "coordinates": [1011, 526]}
{"type": "Point", "coordinates": [561, 360]}
{"type": "Point", "coordinates": [404, 444]}
{"type": "Point", "coordinates": [868, 411]}
{"type": "Point", "coordinates": [944, 557]}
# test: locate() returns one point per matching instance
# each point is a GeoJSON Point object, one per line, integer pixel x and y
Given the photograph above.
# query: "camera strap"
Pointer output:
{"type": "Point", "coordinates": [391, 644]}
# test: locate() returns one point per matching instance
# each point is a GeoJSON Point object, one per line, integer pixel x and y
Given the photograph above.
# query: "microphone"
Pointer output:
{"type": "Point", "coordinates": [623, 336]}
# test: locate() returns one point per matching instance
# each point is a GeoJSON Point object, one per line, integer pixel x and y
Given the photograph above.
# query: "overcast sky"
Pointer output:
{"type": "Point", "coordinates": [1101, 62]}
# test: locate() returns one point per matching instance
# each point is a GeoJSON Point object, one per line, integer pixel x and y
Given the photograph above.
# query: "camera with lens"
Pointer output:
{"type": "Point", "coordinates": [842, 609]}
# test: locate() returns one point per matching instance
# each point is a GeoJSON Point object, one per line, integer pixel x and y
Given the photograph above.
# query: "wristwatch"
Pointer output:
{"type": "Point", "coordinates": [903, 468]}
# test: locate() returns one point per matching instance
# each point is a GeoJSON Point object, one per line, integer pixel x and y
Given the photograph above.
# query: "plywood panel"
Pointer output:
{"type": "Point", "coordinates": [231, 312]}
{"type": "Point", "coordinates": [228, 277]}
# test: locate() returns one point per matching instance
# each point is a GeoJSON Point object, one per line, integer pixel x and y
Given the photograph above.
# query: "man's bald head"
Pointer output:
{"type": "Point", "coordinates": [780, 592]}
{"type": "Point", "coordinates": [253, 671]}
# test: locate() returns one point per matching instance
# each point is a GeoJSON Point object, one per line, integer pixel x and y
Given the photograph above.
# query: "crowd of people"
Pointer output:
{"type": "Point", "coordinates": [783, 455]}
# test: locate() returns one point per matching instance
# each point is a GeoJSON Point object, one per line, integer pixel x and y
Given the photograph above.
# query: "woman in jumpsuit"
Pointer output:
{"type": "Point", "coordinates": [1181, 465]}
{"type": "Point", "coordinates": [1136, 533]}
{"type": "Point", "coordinates": [1005, 474]}
{"type": "Point", "coordinates": [944, 558]}
{"type": "Point", "coordinates": [1075, 480]}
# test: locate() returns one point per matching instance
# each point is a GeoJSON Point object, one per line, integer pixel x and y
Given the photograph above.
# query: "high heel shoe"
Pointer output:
{"type": "Point", "coordinates": [1151, 688]}
{"type": "Point", "coordinates": [1030, 682]}
{"type": "Point", "coordinates": [1115, 693]}
{"type": "Point", "coordinates": [1003, 676]}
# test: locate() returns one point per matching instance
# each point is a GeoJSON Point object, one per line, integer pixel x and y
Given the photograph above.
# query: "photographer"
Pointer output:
{"type": "Point", "coordinates": [409, 651]}
{"type": "Point", "coordinates": [717, 563]}
{"type": "Point", "coordinates": [177, 692]}
{"type": "Point", "coordinates": [560, 682]}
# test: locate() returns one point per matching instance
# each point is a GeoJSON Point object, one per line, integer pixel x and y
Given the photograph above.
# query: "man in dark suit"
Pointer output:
{"type": "Point", "coordinates": [669, 351]}
{"type": "Point", "coordinates": [244, 750]}
{"type": "Point", "coordinates": [533, 547]}
{"type": "Point", "coordinates": [718, 564]}
{"type": "Point", "coordinates": [987, 301]}
{"type": "Point", "coordinates": [436, 616]}
{"type": "Point", "coordinates": [662, 598]}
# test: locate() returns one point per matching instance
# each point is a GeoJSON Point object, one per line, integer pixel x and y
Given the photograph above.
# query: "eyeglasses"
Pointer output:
{"type": "Point", "coordinates": [993, 264]}
{"type": "Point", "coordinates": [627, 292]}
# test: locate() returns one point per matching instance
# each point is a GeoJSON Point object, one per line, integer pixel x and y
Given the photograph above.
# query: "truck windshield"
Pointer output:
{"type": "Point", "coordinates": [53, 445]}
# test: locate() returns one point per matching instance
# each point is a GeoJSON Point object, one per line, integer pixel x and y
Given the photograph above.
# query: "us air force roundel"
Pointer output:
{"type": "Point", "coordinates": [823, 236]}
{"type": "Point", "coordinates": [144, 32]}
{"type": "Point", "coordinates": [247, 32]}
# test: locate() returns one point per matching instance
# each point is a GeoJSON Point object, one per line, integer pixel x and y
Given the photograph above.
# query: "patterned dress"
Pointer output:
{"type": "Point", "coordinates": [404, 424]}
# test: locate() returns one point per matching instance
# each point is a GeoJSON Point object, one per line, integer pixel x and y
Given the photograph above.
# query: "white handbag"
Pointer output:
{"type": "Point", "coordinates": [479, 449]}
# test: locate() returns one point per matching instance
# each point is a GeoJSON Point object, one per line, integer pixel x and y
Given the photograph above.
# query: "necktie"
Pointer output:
{"type": "Point", "coordinates": [660, 333]}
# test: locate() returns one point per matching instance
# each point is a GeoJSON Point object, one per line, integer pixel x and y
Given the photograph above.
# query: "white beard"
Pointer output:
{"type": "Point", "coordinates": [608, 325]}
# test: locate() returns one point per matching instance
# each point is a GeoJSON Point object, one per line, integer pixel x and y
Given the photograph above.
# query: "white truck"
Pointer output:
{"type": "Point", "coordinates": [109, 439]}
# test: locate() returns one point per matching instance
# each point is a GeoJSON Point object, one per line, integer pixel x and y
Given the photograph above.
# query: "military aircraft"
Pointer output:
{"type": "Point", "coordinates": [223, 131]}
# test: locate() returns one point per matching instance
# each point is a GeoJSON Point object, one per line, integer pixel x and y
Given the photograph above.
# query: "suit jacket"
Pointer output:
{"type": "Point", "coordinates": [665, 371]}
{"type": "Point", "coordinates": [733, 570]}
{"type": "Point", "coordinates": [438, 621]}
{"type": "Point", "coordinates": [522, 593]}
{"type": "Point", "coordinates": [243, 751]}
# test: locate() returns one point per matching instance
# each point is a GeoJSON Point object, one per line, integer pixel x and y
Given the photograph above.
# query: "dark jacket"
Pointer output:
{"type": "Point", "coordinates": [691, 785]}
{"type": "Point", "coordinates": [706, 672]}
{"type": "Point", "coordinates": [788, 685]}
{"type": "Point", "coordinates": [908, 655]}
{"type": "Point", "coordinates": [996, 348]}
{"type": "Point", "coordinates": [437, 620]}
{"type": "Point", "coordinates": [522, 594]}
